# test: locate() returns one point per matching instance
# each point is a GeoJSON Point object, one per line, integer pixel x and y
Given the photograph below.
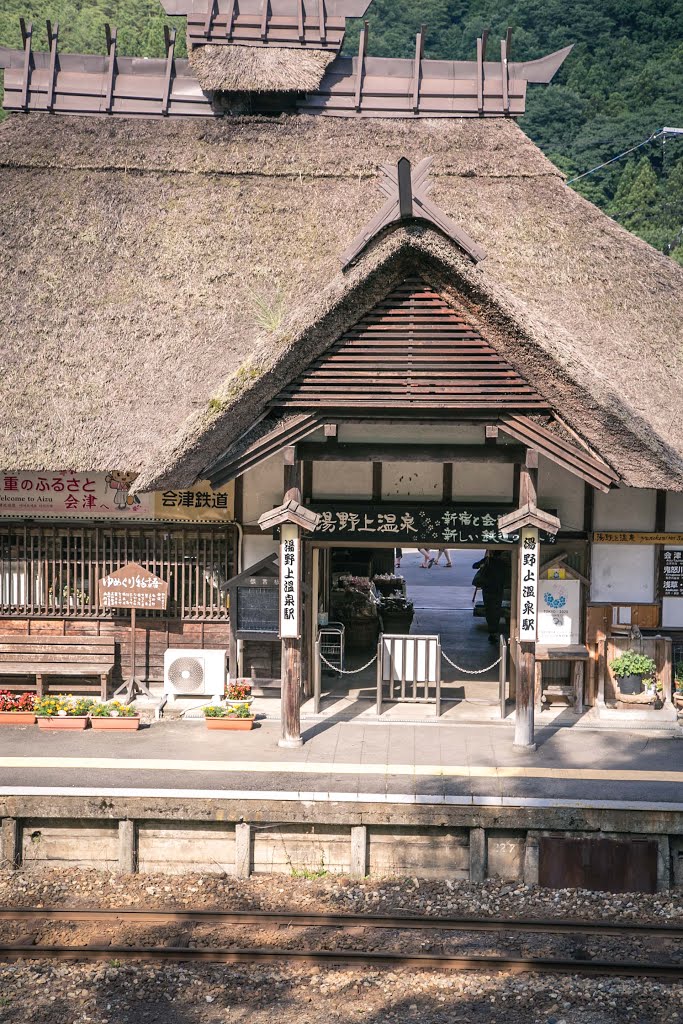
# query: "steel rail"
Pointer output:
{"type": "Point", "coordinates": [306, 920]}
{"type": "Point", "coordinates": [423, 961]}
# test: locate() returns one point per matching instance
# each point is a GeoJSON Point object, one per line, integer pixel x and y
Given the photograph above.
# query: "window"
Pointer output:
{"type": "Point", "coordinates": [53, 571]}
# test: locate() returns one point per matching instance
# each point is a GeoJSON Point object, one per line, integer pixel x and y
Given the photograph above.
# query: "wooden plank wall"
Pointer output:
{"type": "Point", "coordinates": [153, 637]}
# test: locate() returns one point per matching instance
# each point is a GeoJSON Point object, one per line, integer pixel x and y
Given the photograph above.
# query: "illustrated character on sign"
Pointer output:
{"type": "Point", "coordinates": [120, 484]}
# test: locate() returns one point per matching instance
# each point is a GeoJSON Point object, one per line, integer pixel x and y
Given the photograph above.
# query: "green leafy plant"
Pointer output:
{"type": "Point", "coordinates": [52, 706]}
{"type": "Point", "coordinates": [238, 711]}
{"type": "Point", "coordinates": [16, 702]}
{"type": "Point", "coordinates": [227, 711]}
{"type": "Point", "coordinates": [112, 709]}
{"type": "Point", "coordinates": [633, 663]}
{"type": "Point", "coordinates": [215, 711]}
{"type": "Point", "coordinates": [678, 676]}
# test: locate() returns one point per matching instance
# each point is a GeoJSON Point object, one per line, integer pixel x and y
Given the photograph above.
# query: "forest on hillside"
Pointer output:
{"type": "Point", "coordinates": [622, 82]}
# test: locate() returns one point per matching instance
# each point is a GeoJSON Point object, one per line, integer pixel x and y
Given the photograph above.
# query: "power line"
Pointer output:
{"type": "Point", "coordinates": [660, 133]}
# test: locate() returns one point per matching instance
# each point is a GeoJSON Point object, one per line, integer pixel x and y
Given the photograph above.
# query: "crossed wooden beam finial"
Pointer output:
{"type": "Point", "coordinates": [407, 199]}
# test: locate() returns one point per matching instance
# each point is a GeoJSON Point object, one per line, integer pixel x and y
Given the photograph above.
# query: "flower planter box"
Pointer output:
{"type": "Point", "coordinates": [123, 724]}
{"type": "Point", "coordinates": [230, 723]}
{"type": "Point", "coordinates": [678, 699]}
{"type": "Point", "coordinates": [17, 718]}
{"type": "Point", "coordinates": [65, 722]}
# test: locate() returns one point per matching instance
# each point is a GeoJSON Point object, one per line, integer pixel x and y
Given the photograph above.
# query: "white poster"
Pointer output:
{"type": "Point", "coordinates": [290, 547]}
{"type": "Point", "coordinates": [559, 612]}
{"type": "Point", "coordinates": [528, 584]}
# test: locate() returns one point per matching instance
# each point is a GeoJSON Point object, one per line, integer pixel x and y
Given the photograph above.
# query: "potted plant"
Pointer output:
{"type": "Point", "coordinates": [230, 716]}
{"type": "Point", "coordinates": [114, 716]}
{"type": "Point", "coordinates": [62, 711]}
{"type": "Point", "coordinates": [630, 669]}
{"type": "Point", "coordinates": [17, 710]}
{"type": "Point", "coordinates": [354, 603]}
{"type": "Point", "coordinates": [397, 614]}
{"type": "Point", "coordinates": [238, 692]}
{"type": "Point", "coordinates": [678, 685]}
{"type": "Point", "coordinates": [388, 583]}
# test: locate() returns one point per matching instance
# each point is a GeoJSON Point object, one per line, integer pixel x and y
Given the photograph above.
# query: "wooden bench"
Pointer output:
{"type": "Point", "coordinates": [577, 655]}
{"type": "Point", "coordinates": [45, 656]}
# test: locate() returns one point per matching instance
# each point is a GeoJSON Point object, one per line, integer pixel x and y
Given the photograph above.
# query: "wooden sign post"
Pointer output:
{"type": "Point", "coordinates": [133, 587]}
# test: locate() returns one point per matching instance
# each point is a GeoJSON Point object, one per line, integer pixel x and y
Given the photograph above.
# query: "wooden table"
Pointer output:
{"type": "Point", "coordinates": [577, 655]}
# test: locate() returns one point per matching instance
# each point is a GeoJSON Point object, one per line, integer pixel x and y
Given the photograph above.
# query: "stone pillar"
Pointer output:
{"type": "Point", "coordinates": [11, 843]}
{"type": "Point", "coordinates": [359, 851]}
{"type": "Point", "coordinates": [242, 849]}
{"type": "Point", "coordinates": [127, 847]}
{"type": "Point", "coordinates": [477, 854]}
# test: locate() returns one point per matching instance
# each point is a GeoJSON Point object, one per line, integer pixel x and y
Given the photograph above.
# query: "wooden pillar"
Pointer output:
{"type": "Point", "coordinates": [526, 661]}
{"type": "Point", "coordinates": [291, 646]}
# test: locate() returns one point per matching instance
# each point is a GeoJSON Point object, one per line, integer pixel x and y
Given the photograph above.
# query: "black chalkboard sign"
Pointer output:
{"type": "Point", "coordinates": [257, 610]}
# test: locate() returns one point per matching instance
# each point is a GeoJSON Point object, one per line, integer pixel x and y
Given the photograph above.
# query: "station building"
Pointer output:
{"type": "Point", "coordinates": [272, 274]}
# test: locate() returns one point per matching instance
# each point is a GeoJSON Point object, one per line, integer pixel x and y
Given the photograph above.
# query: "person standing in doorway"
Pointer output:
{"type": "Point", "coordinates": [492, 578]}
{"type": "Point", "coordinates": [447, 555]}
{"type": "Point", "coordinates": [398, 555]}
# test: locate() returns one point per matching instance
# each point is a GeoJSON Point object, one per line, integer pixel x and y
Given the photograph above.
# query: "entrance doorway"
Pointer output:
{"type": "Point", "coordinates": [374, 590]}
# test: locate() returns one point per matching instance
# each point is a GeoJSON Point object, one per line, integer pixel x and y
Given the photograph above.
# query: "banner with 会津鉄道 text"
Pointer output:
{"type": "Point", "coordinates": [65, 495]}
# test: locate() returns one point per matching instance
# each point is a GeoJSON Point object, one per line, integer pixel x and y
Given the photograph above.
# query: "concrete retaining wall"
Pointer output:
{"type": "Point", "coordinates": [243, 837]}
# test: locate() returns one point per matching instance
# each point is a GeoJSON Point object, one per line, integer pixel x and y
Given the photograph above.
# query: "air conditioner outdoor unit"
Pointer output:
{"type": "Point", "coordinates": [194, 673]}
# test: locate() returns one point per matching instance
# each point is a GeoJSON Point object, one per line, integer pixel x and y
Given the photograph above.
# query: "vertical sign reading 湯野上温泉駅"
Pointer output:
{"type": "Point", "coordinates": [528, 584]}
{"type": "Point", "coordinates": [290, 546]}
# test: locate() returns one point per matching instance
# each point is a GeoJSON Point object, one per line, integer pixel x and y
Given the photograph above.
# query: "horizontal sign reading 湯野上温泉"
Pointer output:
{"type": "Point", "coordinates": [406, 524]}
{"type": "Point", "coordinates": [65, 495]}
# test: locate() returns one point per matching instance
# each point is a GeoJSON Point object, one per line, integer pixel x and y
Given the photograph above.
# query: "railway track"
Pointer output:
{"type": "Point", "coordinates": [173, 951]}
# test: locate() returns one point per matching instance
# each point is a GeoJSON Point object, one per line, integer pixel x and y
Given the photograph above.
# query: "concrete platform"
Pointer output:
{"type": "Point", "coordinates": [390, 762]}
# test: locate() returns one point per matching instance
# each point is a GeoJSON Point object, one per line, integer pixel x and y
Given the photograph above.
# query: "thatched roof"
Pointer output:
{"type": "Point", "coordinates": [162, 280]}
{"type": "Point", "coordinates": [259, 69]}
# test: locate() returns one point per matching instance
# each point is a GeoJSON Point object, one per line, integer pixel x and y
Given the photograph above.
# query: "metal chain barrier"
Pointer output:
{"type": "Point", "coordinates": [470, 671]}
{"type": "Point", "coordinates": [348, 672]}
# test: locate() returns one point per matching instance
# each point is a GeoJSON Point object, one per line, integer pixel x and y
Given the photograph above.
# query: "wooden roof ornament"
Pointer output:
{"type": "Point", "coordinates": [528, 515]}
{"type": "Point", "coordinates": [290, 512]}
{"type": "Point", "coordinates": [407, 201]}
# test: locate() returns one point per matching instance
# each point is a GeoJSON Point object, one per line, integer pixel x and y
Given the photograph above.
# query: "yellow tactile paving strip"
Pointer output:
{"type": "Point", "coordinates": [335, 768]}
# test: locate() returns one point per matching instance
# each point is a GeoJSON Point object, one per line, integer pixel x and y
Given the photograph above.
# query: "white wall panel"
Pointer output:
{"type": "Point", "coordinates": [674, 512]}
{"type": "Point", "coordinates": [483, 481]}
{"type": "Point", "coordinates": [561, 490]}
{"type": "Point", "coordinates": [623, 573]}
{"type": "Point", "coordinates": [405, 480]}
{"type": "Point", "coordinates": [263, 488]}
{"type": "Point", "coordinates": [342, 480]}
{"type": "Point", "coordinates": [625, 508]}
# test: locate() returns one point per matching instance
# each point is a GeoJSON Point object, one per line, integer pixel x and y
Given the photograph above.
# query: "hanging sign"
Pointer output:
{"type": "Point", "coordinates": [133, 586]}
{"type": "Point", "coordinates": [65, 495]}
{"type": "Point", "coordinates": [528, 584]}
{"type": "Point", "coordinates": [628, 537]}
{"type": "Point", "coordinates": [672, 574]}
{"type": "Point", "coordinates": [405, 524]}
{"type": "Point", "coordinates": [290, 548]}
{"type": "Point", "coordinates": [559, 612]}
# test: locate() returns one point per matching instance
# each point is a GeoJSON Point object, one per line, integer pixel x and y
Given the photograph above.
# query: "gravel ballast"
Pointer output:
{"type": "Point", "coordinates": [123, 992]}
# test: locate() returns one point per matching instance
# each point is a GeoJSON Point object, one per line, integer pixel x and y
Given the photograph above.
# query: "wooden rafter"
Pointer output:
{"type": "Point", "coordinates": [570, 457]}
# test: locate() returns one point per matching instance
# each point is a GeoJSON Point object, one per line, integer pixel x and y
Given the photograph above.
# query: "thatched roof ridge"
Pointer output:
{"type": "Point", "coordinates": [259, 69]}
{"type": "Point", "coordinates": [146, 263]}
